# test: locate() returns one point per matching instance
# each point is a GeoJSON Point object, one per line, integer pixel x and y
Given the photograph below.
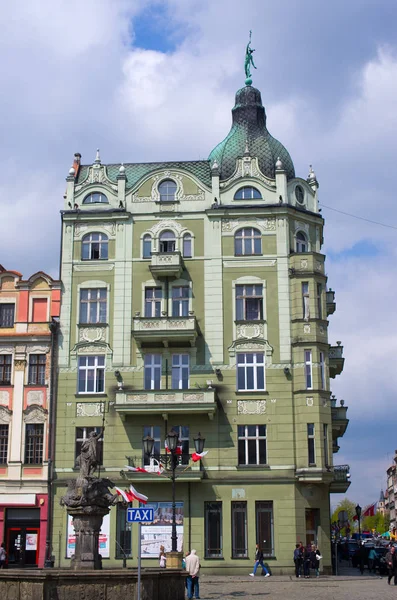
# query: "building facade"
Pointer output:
{"type": "Point", "coordinates": [195, 298]}
{"type": "Point", "coordinates": [28, 313]}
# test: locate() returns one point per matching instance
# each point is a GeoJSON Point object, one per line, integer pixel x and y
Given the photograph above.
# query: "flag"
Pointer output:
{"type": "Point", "coordinates": [370, 510]}
{"type": "Point", "coordinates": [196, 456]}
{"type": "Point", "coordinates": [125, 495]}
{"type": "Point", "coordinates": [160, 467]}
{"type": "Point", "coordinates": [355, 518]}
{"type": "Point", "coordinates": [136, 469]}
{"type": "Point", "coordinates": [178, 448]}
{"type": "Point", "coordinates": [137, 496]}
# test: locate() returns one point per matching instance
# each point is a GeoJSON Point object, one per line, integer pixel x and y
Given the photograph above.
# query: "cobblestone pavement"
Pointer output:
{"type": "Point", "coordinates": [344, 587]}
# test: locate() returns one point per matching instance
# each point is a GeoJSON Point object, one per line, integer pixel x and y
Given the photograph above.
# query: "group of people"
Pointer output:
{"type": "Point", "coordinates": [191, 563]}
{"type": "Point", "coordinates": [306, 558]}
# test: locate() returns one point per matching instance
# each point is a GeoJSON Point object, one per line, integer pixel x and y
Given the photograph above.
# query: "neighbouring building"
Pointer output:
{"type": "Point", "coordinates": [195, 298]}
{"type": "Point", "coordinates": [29, 310]}
{"type": "Point", "coordinates": [381, 503]}
{"type": "Point", "coordinates": [391, 491]}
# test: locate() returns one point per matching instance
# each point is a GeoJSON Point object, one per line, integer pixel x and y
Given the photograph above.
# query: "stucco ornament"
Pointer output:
{"type": "Point", "coordinates": [251, 407]}
{"type": "Point", "coordinates": [35, 414]}
{"type": "Point", "coordinates": [93, 334]}
{"type": "Point", "coordinates": [35, 397]}
{"type": "Point", "coordinates": [5, 415]}
{"type": "Point", "coordinates": [250, 331]}
{"type": "Point", "coordinates": [166, 224]}
{"type": "Point", "coordinates": [309, 401]}
{"type": "Point", "coordinates": [89, 409]}
{"type": "Point", "coordinates": [4, 397]}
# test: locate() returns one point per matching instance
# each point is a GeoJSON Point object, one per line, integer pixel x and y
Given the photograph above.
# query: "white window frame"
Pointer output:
{"type": "Point", "coordinates": [255, 234]}
{"type": "Point", "coordinates": [166, 181]}
{"type": "Point", "coordinates": [246, 437]}
{"type": "Point", "coordinates": [179, 368]}
{"type": "Point", "coordinates": [154, 368]}
{"type": "Point", "coordinates": [244, 297]}
{"type": "Point", "coordinates": [311, 437]}
{"type": "Point", "coordinates": [97, 368]}
{"type": "Point", "coordinates": [322, 370]}
{"type": "Point", "coordinates": [150, 463]}
{"type": "Point", "coordinates": [299, 243]}
{"type": "Point", "coordinates": [145, 238]}
{"type": "Point", "coordinates": [325, 443]}
{"type": "Point", "coordinates": [308, 356]}
{"type": "Point", "coordinates": [98, 301]}
{"type": "Point", "coordinates": [88, 241]}
{"type": "Point", "coordinates": [255, 365]}
{"type": "Point", "coordinates": [186, 235]}
{"type": "Point", "coordinates": [181, 300]}
{"type": "Point", "coordinates": [152, 302]}
{"type": "Point", "coordinates": [305, 300]}
{"type": "Point", "coordinates": [319, 291]}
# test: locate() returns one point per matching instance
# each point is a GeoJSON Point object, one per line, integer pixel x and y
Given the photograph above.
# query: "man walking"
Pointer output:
{"type": "Point", "coordinates": [259, 561]}
{"type": "Point", "coordinates": [193, 569]}
{"type": "Point", "coordinates": [391, 561]}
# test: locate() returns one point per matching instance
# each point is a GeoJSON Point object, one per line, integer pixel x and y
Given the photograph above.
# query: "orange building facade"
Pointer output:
{"type": "Point", "coordinates": [29, 312]}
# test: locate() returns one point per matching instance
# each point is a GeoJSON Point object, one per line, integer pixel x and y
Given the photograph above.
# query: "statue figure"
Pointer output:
{"type": "Point", "coordinates": [88, 459]}
{"type": "Point", "coordinates": [249, 60]}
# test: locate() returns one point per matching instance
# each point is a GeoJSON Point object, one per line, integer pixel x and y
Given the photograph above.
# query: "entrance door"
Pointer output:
{"type": "Point", "coordinates": [22, 546]}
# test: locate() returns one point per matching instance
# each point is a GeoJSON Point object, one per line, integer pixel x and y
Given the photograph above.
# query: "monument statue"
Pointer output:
{"type": "Point", "coordinates": [88, 459]}
{"type": "Point", "coordinates": [249, 60]}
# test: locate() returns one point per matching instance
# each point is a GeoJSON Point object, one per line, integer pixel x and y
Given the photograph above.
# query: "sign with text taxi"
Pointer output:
{"type": "Point", "coordinates": [140, 515]}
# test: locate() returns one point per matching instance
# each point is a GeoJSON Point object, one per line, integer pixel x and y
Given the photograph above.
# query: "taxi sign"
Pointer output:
{"type": "Point", "coordinates": [140, 515]}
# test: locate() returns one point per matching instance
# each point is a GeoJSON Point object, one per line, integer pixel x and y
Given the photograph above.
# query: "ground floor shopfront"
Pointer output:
{"type": "Point", "coordinates": [221, 520]}
{"type": "Point", "coordinates": [23, 528]}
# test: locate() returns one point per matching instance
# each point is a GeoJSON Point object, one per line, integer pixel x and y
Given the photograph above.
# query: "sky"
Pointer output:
{"type": "Point", "coordinates": [154, 80]}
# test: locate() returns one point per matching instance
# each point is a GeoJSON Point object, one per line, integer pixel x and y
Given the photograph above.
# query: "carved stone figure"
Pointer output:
{"type": "Point", "coordinates": [88, 459]}
{"type": "Point", "coordinates": [249, 60]}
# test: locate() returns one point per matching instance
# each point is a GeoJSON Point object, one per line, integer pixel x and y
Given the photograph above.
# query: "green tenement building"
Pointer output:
{"type": "Point", "coordinates": [195, 298]}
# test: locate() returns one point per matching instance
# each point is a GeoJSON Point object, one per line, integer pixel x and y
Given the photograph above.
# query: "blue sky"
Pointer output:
{"type": "Point", "coordinates": [155, 80]}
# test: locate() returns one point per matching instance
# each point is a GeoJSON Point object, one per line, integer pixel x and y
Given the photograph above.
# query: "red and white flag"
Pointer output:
{"type": "Point", "coordinates": [196, 457]}
{"type": "Point", "coordinates": [178, 448]}
{"type": "Point", "coordinates": [137, 496]}
{"type": "Point", "coordinates": [124, 494]}
{"type": "Point", "coordinates": [370, 510]}
{"type": "Point", "coordinates": [136, 469]}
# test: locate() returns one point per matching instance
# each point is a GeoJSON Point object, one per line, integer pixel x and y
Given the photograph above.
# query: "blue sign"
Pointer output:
{"type": "Point", "coordinates": [140, 515]}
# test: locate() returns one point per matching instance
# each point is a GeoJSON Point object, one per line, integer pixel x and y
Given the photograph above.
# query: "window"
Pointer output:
{"type": "Point", "coordinates": [154, 432]}
{"type": "Point", "coordinates": [180, 371]}
{"type": "Point", "coordinates": [183, 436]}
{"type": "Point", "coordinates": [5, 369]}
{"type": "Point", "coordinates": [312, 518]}
{"type": "Point", "coordinates": [187, 245]}
{"type": "Point", "coordinates": [319, 305]}
{"type": "Point", "coordinates": [167, 190]}
{"type": "Point", "coordinates": [152, 371]}
{"type": "Point", "coordinates": [247, 193]}
{"type": "Point", "coordinates": [308, 369]}
{"type": "Point", "coordinates": [123, 533]}
{"type": "Point", "coordinates": [301, 242]}
{"type": "Point", "coordinates": [94, 247]}
{"type": "Point", "coordinates": [325, 442]}
{"type": "Point", "coordinates": [3, 444]}
{"type": "Point", "coordinates": [250, 372]}
{"type": "Point", "coordinates": [167, 241]}
{"type": "Point", "coordinates": [91, 374]}
{"type": "Point", "coordinates": [36, 369]}
{"type": "Point", "coordinates": [299, 194]}
{"type": "Point", "coordinates": [180, 301]}
{"type": "Point", "coordinates": [81, 435]}
{"type": "Point", "coordinates": [247, 241]}
{"type": "Point", "coordinates": [153, 297]}
{"type": "Point", "coordinates": [322, 371]}
{"type": "Point", "coordinates": [34, 441]}
{"type": "Point", "coordinates": [39, 310]}
{"type": "Point", "coordinates": [251, 444]}
{"type": "Point", "coordinates": [305, 300]}
{"type": "Point", "coordinates": [96, 198]}
{"type": "Point", "coordinates": [311, 445]}
{"type": "Point", "coordinates": [7, 315]}
{"type": "Point", "coordinates": [93, 305]}
{"type": "Point", "coordinates": [264, 527]}
{"type": "Point", "coordinates": [213, 529]}
{"type": "Point", "coordinates": [249, 302]}
{"type": "Point", "coordinates": [147, 246]}
{"type": "Point", "coordinates": [239, 530]}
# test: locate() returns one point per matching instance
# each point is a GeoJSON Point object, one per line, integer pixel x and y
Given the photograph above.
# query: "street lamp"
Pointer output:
{"type": "Point", "coordinates": [358, 515]}
{"type": "Point", "coordinates": [171, 462]}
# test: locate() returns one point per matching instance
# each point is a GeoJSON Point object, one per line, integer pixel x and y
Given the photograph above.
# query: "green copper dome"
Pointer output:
{"type": "Point", "coordinates": [249, 127]}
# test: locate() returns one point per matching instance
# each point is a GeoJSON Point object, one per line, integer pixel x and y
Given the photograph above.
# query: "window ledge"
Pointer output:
{"type": "Point", "coordinates": [91, 394]}
{"type": "Point", "coordinates": [251, 392]}
{"type": "Point", "coordinates": [7, 385]}
{"type": "Point", "coordinates": [36, 385]}
{"type": "Point", "coordinates": [240, 558]}
{"type": "Point", "coordinates": [249, 321]}
{"type": "Point", "coordinates": [167, 202]}
{"type": "Point", "coordinates": [253, 467]}
{"type": "Point", "coordinates": [214, 558]}
{"type": "Point", "coordinates": [93, 324]}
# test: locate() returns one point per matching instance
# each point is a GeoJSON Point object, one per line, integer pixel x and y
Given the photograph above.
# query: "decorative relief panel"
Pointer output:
{"type": "Point", "coordinates": [301, 226]}
{"type": "Point", "coordinates": [5, 415]}
{"type": "Point", "coordinates": [96, 175]}
{"type": "Point", "coordinates": [266, 224]}
{"type": "Point", "coordinates": [309, 401]}
{"type": "Point", "coordinates": [38, 349]}
{"type": "Point", "coordinates": [250, 331]}
{"type": "Point", "coordinates": [4, 397]}
{"type": "Point", "coordinates": [248, 167]}
{"type": "Point", "coordinates": [92, 349]}
{"type": "Point", "coordinates": [19, 365]}
{"type": "Point", "coordinates": [137, 398]}
{"type": "Point", "coordinates": [92, 334]}
{"type": "Point", "coordinates": [166, 224]}
{"type": "Point", "coordinates": [304, 263]}
{"type": "Point", "coordinates": [197, 397]}
{"type": "Point", "coordinates": [319, 266]}
{"type": "Point", "coordinates": [89, 409]}
{"type": "Point", "coordinates": [7, 350]}
{"type": "Point", "coordinates": [164, 397]}
{"type": "Point", "coordinates": [35, 397]}
{"type": "Point", "coordinates": [251, 407]}
{"type": "Point", "coordinates": [169, 207]}
{"type": "Point", "coordinates": [81, 228]}
{"type": "Point", "coordinates": [35, 415]}
{"type": "Point", "coordinates": [306, 329]}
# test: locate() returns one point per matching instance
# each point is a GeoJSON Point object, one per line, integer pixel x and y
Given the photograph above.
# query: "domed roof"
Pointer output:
{"type": "Point", "coordinates": [249, 129]}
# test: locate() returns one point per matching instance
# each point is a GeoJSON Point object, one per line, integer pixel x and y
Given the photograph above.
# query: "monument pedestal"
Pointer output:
{"type": "Point", "coordinates": [174, 560]}
{"type": "Point", "coordinates": [87, 528]}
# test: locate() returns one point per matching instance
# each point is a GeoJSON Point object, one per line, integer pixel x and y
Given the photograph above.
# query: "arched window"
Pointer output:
{"type": "Point", "coordinates": [187, 245]}
{"type": "Point", "coordinates": [96, 198]}
{"type": "Point", "coordinates": [299, 194]}
{"type": "Point", "coordinates": [248, 193]}
{"type": "Point", "coordinates": [301, 242]}
{"type": "Point", "coordinates": [147, 246]}
{"type": "Point", "coordinates": [167, 241]}
{"type": "Point", "coordinates": [247, 241]}
{"type": "Point", "coordinates": [94, 247]}
{"type": "Point", "coordinates": [167, 190]}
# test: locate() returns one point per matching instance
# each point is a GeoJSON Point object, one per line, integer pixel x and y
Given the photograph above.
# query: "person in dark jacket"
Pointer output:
{"type": "Point", "coordinates": [307, 561]}
{"type": "Point", "coordinates": [391, 561]}
{"type": "Point", "coordinates": [315, 557]}
{"type": "Point", "coordinates": [298, 560]}
{"type": "Point", "coordinates": [362, 555]}
{"type": "Point", "coordinates": [259, 561]}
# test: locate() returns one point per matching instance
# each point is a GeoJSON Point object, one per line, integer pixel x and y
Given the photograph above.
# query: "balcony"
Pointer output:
{"type": "Point", "coordinates": [166, 264]}
{"type": "Point", "coordinates": [341, 479]}
{"type": "Point", "coordinates": [193, 472]}
{"type": "Point", "coordinates": [164, 330]}
{"type": "Point", "coordinates": [330, 302]}
{"type": "Point", "coordinates": [336, 360]}
{"type": "Point", "coordinates": [164, 402]}
{"type": "Point", "coordinates": [306, 264]}
{"type": "Point", "coordinates": [339, 421]}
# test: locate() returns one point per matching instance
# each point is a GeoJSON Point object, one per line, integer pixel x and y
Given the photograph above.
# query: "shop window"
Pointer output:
{"type": "Point", "coordinates": [264, 526]}
{"type": "Point", "coordinates": [239, 530]}
{"type": "Point", "coordinates": [213, 529]}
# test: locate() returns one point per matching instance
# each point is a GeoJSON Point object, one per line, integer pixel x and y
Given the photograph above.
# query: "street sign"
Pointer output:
{"type": "Point", "coordinates": [140, 515]}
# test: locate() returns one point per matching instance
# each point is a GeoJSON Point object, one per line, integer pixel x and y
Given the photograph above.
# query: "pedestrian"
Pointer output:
{"type": "Point", "coordinates": [3, 556]}
{"type": "Point", "coordinates": [362, 555]}
{"type": "Point", "coordinates": [391, 561]}
{"type": "Point", "coordinates": [162, 558]}
{"type": "Point", "coordinates": [298, 560]}
{"type": "Point", "coordinates": [259, 561]}
{"type": "Point", "coordinates": [193, 569]}
{"type": "Point", "coordinates": [184, 566]}
{"type": "Point", "coordinates": [315, 557]}
{"type": "Point", "coordinates": [306, 561]}
{"type": "Point", "coordinates": [372, 557]}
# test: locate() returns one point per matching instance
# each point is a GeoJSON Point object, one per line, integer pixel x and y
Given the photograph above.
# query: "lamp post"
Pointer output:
{"type": "Point", "coordinates": [171, 462]}
{"type": "Point", "coordinates": [358, 515]}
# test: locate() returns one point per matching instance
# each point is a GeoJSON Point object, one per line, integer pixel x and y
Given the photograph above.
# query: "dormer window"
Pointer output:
{"type": "Point", "coordinates": [96, 198]}
{"type": "Point", "coordinates": [167, 190]}
{"type": "Point", "coordinates": [248, 193]}
{"type": "Point", "coordinates": [301, 242]}
{"type": "Point", "coordinates": [167, 242]}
